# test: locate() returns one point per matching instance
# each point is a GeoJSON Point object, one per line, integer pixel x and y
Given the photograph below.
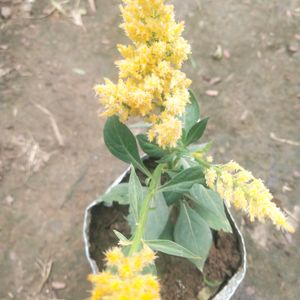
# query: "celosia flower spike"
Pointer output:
{"type": "Point", "coordinates": [150, 84]}
{"type": "Point", "coordinates": [128, 282]}
{"type": "Point", "coordinates": [239, 187]}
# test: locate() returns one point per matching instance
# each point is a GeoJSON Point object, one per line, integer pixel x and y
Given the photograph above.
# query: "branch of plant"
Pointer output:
{"type": "Point", "coordinates": [143, 216]}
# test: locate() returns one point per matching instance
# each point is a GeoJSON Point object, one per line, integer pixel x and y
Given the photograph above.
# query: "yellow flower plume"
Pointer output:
{"type": "Point", "coordinates": [239, 187]}
{"type": "Point", "coordinates": [126, 281]}
{"type": "Point", "coordinates": [150, 83]}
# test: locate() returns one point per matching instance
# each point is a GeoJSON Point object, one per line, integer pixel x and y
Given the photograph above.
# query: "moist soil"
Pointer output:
{"type": "Point", "coordinates": [179, 278]}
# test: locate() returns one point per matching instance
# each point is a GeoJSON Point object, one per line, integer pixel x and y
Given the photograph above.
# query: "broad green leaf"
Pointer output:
{"type": "Point", "coordinates": [172, 173]}
{"type": "Point", "coordinates": [118, 193]}
{"type": "Point", "coordinates": [135, 194]}
{"type": "Point", "coordinates": [188, 162]}
{"type": "Point", "coordinates": [210, 207]}
{"type": "Point", "coordinates": [152, 149]}
{"type": "Point", "coordinates": [205, 147]}
{"type": "Point", "coordinates": [172, 197]}
{"type": "Point", "coordinates": [150, 269]}
{"type": "Point", "coordinates": [157, 218]}
{"type": "Point", "coordinates": [121, 142]}
{"type": "Point", "coordinates": [195, 132]}
{"type": "Point", "coordinates": [192, 113]}
{"type": "Point", "coordinates": [193, 233]}
{"type": "Point", "coordinates": [120, 236]}
{"type": "Point", "coordinates": [171, 248]}
{"type": "Point", "coordinates": [184, 180]}
{"type": "Point", "coordinates": [167, 233]}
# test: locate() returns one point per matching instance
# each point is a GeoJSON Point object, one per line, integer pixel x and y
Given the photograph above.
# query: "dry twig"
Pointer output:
{"type": "Point", "coordinates": [284, 141]}
{"type": "Point", "coordinates": [45, 270]}
{"type": "Point", "coordinates": [92, 5]}
{"type": "Point", "coordinates": [54, 125]}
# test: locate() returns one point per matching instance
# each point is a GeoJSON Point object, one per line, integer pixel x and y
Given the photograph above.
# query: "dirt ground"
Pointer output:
{"type": "Point", "coordinates": [53, 161]}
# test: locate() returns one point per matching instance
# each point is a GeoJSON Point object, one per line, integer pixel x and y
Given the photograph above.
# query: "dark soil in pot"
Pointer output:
{"type": "Point", "coordinates": [179, 278]}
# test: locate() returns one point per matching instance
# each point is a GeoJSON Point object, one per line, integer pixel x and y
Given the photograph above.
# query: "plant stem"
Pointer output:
{"type": "Point", "coordinates": [143, 216]}
{"type": "Point", "coordinates": [204, 163]}
{"type": "Point", "coordinates": [138, 235]}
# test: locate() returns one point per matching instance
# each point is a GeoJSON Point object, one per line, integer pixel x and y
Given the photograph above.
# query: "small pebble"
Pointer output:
{"type": "Point", "coordinates": [212, 93]}
{"type": "Point", "coordinates": [10, 295]}
{"type": "Point", "coordinates": [250, 290]}
{"type": "Point", "coordinates": [6, 12]}
{"type": "Point", "coordinates": [244, 116]}
{"type": "Point", "coordinates": [4, 72]}
{"type": "Point", "coordinates": [3, 47]}
{"type": "Point", "coordinates": [259, 55]}
{"type": "Point", "coordinates": [226, 53]}
{"type": "Point", "coordinates": [286, 188]}
{"type": "Point", "coordinates": [222, 150]}
{"type": "Point", "coordinates": [105, 41]}
{"type": "Point", "coordinates": [27, 7]}
{"type": "Point", "coordinates": [9, 200]}
{"type": "Point", "coordinates": [293, 47]}
{"type": "Point", "coordinates": [218, 54]}
{"type": "Point", "coordinates": [58, 285]}
{"type": "Point", "coordinates": [296, 174]}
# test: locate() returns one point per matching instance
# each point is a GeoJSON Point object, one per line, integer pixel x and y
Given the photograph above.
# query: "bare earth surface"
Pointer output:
{"type": "Point", "coordinates": [53, 161]}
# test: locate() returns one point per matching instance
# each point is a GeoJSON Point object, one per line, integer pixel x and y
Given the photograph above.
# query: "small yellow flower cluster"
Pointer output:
{"type": "Point", "coordinates": [150, 83]}
{"type": "Point", "coordinates": [239, 187]}
{"type": "Point", "coordinates": [127, 282]}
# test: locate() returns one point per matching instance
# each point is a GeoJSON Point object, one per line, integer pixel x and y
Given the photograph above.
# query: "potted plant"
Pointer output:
{"type": "Point", "coordinates": [173, 201]}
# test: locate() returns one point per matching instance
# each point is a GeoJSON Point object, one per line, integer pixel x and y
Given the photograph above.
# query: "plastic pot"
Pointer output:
{"type": "Point", "coordinates": [225, 293]}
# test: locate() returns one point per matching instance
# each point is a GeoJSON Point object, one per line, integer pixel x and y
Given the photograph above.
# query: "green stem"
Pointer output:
{"type": "Point", "coordinates": [204, 163]}
{"type": "Point", "coordinates": [146, 172]}
{"type": "Point", "coordinates": [143, 216]}
{"type": "Point", "coordinates": [138, 235]}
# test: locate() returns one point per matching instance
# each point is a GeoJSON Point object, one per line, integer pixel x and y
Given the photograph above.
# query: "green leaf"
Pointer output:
{"type": "Point", "coordinates": [157, 217]}
{"type": "Point", "coordinates": [135, 194]}
{"type": "Point", "coordinates": [152, 149]}
{"type": "Point", "coordinates": [171, 248]}
{"type": "Point", "coordinates": [120, 236]}
{"type": "Point", "coordinates": [205, 147]}
{"type": "Point", "coordinates": [167, 233]}
{"type": "Point", "coordinates": [193, 233]}
{"type": "Point", "coordinates": [121, 143]}
{"type": "Point", "coordinates": [184, 180]}
{"type": "Point", "coordinates": [187, 162]}
{"type": "Point", "coordinates": [210, 207]}
{"type": "Point", "coordinates": [166, 159]}
{"type": "Point", "coordinates": [196, 132]}
{"type": "Point", "coordinates": [118, 193]}
{"type": "Point", "coordinates": [172, 197]}
{"type": "Point", "coordinates": [150, 269]}
{"type": "Point", "coordinates": [192, 113]}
